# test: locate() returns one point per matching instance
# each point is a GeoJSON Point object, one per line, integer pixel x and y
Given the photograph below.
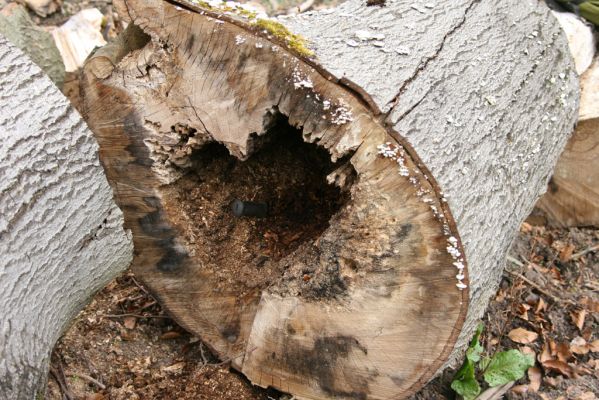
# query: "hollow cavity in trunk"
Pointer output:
{"type": "Point", "coordinates": [247, 253]}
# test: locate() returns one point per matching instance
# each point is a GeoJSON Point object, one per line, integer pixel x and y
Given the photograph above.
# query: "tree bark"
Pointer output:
{"type": "Point", "coordinates": [444, 124]}
{"type": "Point", "coordinates": [61, 235]}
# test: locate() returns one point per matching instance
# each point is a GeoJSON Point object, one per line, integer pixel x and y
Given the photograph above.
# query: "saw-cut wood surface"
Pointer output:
{"type": "Point", "coordinates": [572, 198]}
{"type": "Point", "coordinates": [363, 290]}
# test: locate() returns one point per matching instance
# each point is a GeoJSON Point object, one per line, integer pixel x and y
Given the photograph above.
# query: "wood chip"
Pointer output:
{"type": "Point", "coordinates": [521, 335]}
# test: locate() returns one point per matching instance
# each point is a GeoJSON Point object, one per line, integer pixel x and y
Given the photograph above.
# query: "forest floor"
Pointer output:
{"type": "Point", "coordinates": [123, 346]}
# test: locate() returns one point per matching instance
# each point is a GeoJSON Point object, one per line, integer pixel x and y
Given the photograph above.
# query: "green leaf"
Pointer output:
{"type": "Point", "coordinates": [475, 349]}
{"type": "Point", "coordinates": [465, 383]}
{"type": "Point", "coordinates": [484, 363]}
{"type": "Point", "coordinates": [507, 366]}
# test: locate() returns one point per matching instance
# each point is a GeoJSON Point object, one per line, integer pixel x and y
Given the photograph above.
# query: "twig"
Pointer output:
{"type": "Point", "coordinates": [143, 289]}
{"type": "Point", "coordinates": [150, 304]}
{"type": "Point", "coordinates": [132, 315]}
{"type": "Point", "coordinates": [537, 287]}
{"type": "Point", "coordinates": [89, 379]}
{"type": "Point", "coordinates": [61, 383]}
{"type": "Point", "coordinates": [586, 251]}
{"type": "Point", "coordinates": [204, 359]}
{"type": "Point", "coordinates": [514, 261]}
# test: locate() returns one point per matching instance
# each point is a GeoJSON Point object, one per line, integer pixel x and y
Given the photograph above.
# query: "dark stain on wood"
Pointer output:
{"type": "Point", "coordinates": [404, 231]}
{"type": "Point", "coordinates": [553, 188]}
{"type": "Point", "coordinates": [172, 259]}
{"type": "Point", "coordinates": [371, 3]}
{"type": "Point", "coordinates": [324, 363]}
{"type": "Point", "coordinates": [231, 331]}
{"type": "Point", "coordinates": [190, 42]}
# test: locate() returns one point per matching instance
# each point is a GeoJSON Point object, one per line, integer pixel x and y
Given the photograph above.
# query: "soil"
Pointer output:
{"type": "Point", "coordinates": [124, 340]}
{"type": "Point", "coordinates": [287, 176]}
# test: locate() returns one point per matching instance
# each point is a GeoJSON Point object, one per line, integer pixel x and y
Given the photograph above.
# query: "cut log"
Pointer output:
{"type": "Point", "coordinates": [439, 127]}
{"type": "Point", "coordinates": [17, 26]}
{"type": "Point", "coordinates": [572, 198]}
{"type": "Point", "coordinates": [61, 235]}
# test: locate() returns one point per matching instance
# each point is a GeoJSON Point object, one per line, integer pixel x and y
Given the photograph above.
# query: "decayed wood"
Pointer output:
{"type": "Point", "coordinates": [61, 235]}
{"type": "Point", "coordinates": [572, 198]}
{"type": "Point", "coordinates": [475, 121]}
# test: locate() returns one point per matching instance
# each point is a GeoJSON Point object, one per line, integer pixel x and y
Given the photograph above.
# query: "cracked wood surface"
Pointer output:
{"type": "Point", "coordinates": [468, 97]}
{"type": "Point", "coordinates": [61, 235]}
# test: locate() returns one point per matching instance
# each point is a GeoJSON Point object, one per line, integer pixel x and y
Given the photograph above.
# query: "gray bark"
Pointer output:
{"type": "Point", "coordinates": [16, 25]}
{"type": "Point", "coordinates": [485, 91]}
{"type": "Point", "coordinates": [61, 235]}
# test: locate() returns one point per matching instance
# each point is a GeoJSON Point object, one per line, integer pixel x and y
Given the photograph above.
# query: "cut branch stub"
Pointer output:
{"type": "Point", "coordinates": [347, 292]}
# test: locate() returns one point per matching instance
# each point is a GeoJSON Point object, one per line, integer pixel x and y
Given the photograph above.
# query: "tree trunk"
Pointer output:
{"type": "Point", "coordinates": [61, 235]}
{"type": "Point", "coordinates": [440, 125]}
{"type": "Point", "coordinates": [572, 198]}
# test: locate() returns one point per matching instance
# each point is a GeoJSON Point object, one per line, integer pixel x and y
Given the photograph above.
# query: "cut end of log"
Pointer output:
{"type": "Point", "coordinates": [353, 286]}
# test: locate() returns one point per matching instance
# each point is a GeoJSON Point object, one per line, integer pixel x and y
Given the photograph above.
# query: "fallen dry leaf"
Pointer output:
{"type": "Point", "coordinates": [170, 335]}
{"type": "Point", "coordinates": [559, 367]}
{"type": "Point", "coordinates": [545, 353]}
{"type": "Point", "coordinates": [520, 389]}
{"type": "Point", "coordinates": [521, 335]}
{"type": "Point", "coordinates": [563, 352]}
{"type": "Point", "coordinates": [176, 368]}
{"type": "Point", "coordinates": [590, 304]}
{"type": "Point", "coordinates": [587, 396]}
{"type": "Point", "coordinates": [523, 311]}
{"type": "Point", "coordinates": [579, 346]}
{"type": "Point", "coordinates": [95, 396]}
{"type": "Point", "coordinates": [578, 318]}
{"type": "Point", "coordinates": [129, 322]}
{"type": "Point", "coordinates": [566, 252]}
{"type": "Point", "coordinates": [525, 227]}
{"type": "Point", "coordinates": [594, 346]}
{"type": "Point", "coordinates": [528, 350]}
{"type": "Point", "coordinates": [534, 375]}
{"type": "Point", "coordinates": [553, 382]}
{"type": "Point", "coordinates": [541, 306]}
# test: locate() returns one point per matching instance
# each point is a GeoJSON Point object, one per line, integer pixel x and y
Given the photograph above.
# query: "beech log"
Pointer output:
{"type": "Point", "coordinates": [61, 235]}
{"type": "Point", "coordinates": [436, 128]}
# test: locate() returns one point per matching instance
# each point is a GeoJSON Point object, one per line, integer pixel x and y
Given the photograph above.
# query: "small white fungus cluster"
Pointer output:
{"type": "Point", "coordinates": [341, 113]}
{"type": "Point", "coordinates": [397, 154]}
